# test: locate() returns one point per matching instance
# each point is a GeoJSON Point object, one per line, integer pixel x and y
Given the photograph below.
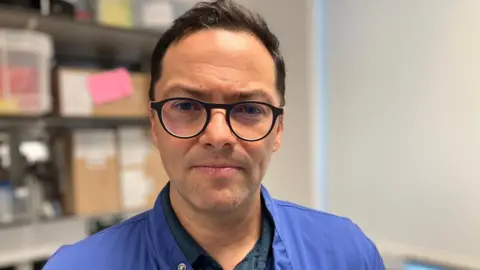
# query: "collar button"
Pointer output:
{"type": "Point", "coordinates": [182, 266]}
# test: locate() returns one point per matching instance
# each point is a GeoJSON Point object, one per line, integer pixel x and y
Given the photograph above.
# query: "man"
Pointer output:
{"type": "Point", "coordinates": [217, 91]}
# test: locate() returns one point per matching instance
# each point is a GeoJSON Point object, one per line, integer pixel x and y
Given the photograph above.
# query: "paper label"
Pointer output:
{"type": "Point", "coordinates": [94, 146]}
{"type": "Point", "coordinates": [156, 13]}
{"type": "Point", "coordinates": [134, 188]}
{"type": "Point", "coordinates": [134, 146]}
{"type": "Point", "coordinates": [75, 99]}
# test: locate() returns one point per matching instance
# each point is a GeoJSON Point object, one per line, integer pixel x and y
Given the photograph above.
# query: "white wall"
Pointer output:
{"type": "Point", "coordinates": [404, 123]}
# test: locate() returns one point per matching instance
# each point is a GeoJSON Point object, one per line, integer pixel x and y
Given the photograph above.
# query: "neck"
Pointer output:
{"type": "Point", "coordinates": [227, 237]}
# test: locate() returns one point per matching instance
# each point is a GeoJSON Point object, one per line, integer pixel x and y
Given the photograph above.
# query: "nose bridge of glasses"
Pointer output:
{"type": "Point", "coordinates": [218, 115]}
{"type": "Point", "coordinates": [218, 119]}
{"type": "Point", "coordinates": [217, 107]}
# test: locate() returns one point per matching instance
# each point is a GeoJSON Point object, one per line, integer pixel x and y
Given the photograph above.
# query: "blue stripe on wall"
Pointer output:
{"type": "Point", "coordinates": [321, 109]}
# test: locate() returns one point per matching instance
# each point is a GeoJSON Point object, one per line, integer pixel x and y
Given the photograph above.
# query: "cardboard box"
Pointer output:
{"type": "Point", "coordinates": [92, 186]}
{"type": "Point", "coordinates": [154, 170]}
{"type": "Point", "coordinates": [73, 97]}
{"type": "Point", "coordinates": [111, 171]}
{"type": "Point", "coordinates": [141, 171]}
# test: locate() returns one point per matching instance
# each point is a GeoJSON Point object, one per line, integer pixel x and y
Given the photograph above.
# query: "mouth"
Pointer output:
{"type": "Point", "coordinates": [216, 170]}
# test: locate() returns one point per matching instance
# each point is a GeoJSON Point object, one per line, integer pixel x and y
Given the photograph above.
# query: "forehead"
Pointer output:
{"type": "Point", "coordinates": [218, 63]}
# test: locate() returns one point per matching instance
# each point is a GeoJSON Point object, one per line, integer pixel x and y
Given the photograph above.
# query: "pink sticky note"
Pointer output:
{"type": "Point", "coordinates": [110, 85]}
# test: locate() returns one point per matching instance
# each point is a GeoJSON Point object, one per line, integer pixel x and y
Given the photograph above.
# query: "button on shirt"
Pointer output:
{"type": "Point", "coordinates": [259, 257]}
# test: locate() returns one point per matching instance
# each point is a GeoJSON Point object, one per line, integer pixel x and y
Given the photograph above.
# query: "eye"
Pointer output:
{"type": "Point", "coordinates": [185, 105]}
{"type": "Point", "coordinates": [249, 109]}
{"type": "Point", "coordinates": [250, 112]}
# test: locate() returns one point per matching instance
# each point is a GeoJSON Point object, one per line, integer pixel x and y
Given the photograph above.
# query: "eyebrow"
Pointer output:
{"type": "Point", "coordinates": [177, 90]}
{"type": "Point", "coordinates": [239, 95]}
{"type": "Point", "coordinates": [256, 94]}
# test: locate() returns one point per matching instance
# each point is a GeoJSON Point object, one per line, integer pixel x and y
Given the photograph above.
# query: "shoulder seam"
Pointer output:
{"type": "Point", "coordinates": [306, 209]}
{"type": "Point", "coordinates": [139, 218]}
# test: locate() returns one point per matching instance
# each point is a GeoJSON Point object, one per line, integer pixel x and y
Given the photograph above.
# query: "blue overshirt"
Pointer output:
{"type": "Point", "coordinates": [303, 239]}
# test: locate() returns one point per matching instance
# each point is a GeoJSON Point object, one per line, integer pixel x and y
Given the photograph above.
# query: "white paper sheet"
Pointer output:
{"type": "Point", "coordinates": [75, 99]}
{"type": "Point", "coordinates": [157, 13]}
{"type": "Point", "coordinates": [94, 146]}
{"type": "Point", "coordinates": [134, 146]}
{"type": "Point", "coordinates": [134, 189]}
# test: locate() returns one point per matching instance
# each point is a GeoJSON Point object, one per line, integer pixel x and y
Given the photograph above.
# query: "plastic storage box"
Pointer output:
{"type": "Point", "coordinates": [25, 66]}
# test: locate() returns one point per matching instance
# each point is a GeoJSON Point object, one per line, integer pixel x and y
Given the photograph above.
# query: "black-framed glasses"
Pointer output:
{"type": "Point", "coordinates": [186, 118]}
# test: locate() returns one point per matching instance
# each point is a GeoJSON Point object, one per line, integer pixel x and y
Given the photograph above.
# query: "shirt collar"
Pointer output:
{"type": "Point", "coordinates": [171, 240]}
{"type": "Point", "coordinates": [164, 247]}
{"type": "Point", "coordinates": [185, 241]}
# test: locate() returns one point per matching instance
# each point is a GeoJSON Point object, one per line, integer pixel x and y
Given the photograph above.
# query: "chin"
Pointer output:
{"type": "Point", "coordinates": [224, 199]}
{"type": "Point", "coordinates": [218, 194]}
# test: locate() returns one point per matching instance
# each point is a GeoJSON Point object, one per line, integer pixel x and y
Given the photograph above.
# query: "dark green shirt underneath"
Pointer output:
{"type": "Point", "coordinates": [257, 258]}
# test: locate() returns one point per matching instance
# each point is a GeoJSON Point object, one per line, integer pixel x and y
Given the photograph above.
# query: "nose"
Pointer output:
{"type": "Point", "coordinates": [217, 133]}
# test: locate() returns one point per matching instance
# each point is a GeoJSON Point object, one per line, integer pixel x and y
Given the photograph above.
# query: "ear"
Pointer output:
{"type": "Point", "coordinates": [278, 133]}
{"type": "Point", "coordinates": [153, 126]}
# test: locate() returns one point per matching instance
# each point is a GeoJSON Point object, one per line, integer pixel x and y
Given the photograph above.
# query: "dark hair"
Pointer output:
{"type": "Point", "coordinates": [223, 14]}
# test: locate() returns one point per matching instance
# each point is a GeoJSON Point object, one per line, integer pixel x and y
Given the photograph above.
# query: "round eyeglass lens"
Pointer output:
{"type": "Point", "coordinates": [184, 118]}
{"type": "Point", "coordinates": [250, 120]}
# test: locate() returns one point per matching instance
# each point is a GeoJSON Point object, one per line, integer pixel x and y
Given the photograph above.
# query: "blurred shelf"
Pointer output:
{"type": "Point", "coordinates": [87, 39]}
{"type": "Point", "coordinates": [96, 122]}
{"type": "Point", "coordinates": [9, 122]}
{"type": "Point", "coordinates": [38, 241]}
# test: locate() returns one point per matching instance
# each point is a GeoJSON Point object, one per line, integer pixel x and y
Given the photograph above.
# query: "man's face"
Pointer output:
{"type": "Point", "coordinates": [216, 171]}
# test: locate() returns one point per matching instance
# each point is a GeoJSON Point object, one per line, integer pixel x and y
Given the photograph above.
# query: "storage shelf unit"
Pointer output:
{"type": "Point", "coordinates": [73, 41]}
{"type": "Point", "coordinates": [19, 122]}
{"type": "Point", "coordinates": [86, 39]}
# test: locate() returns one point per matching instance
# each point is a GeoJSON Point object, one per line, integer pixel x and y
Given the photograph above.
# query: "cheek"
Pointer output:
{"type": "Point", "coordinates": [260, 154]}
{"type": "Point", "coordinates": [172, 151]}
